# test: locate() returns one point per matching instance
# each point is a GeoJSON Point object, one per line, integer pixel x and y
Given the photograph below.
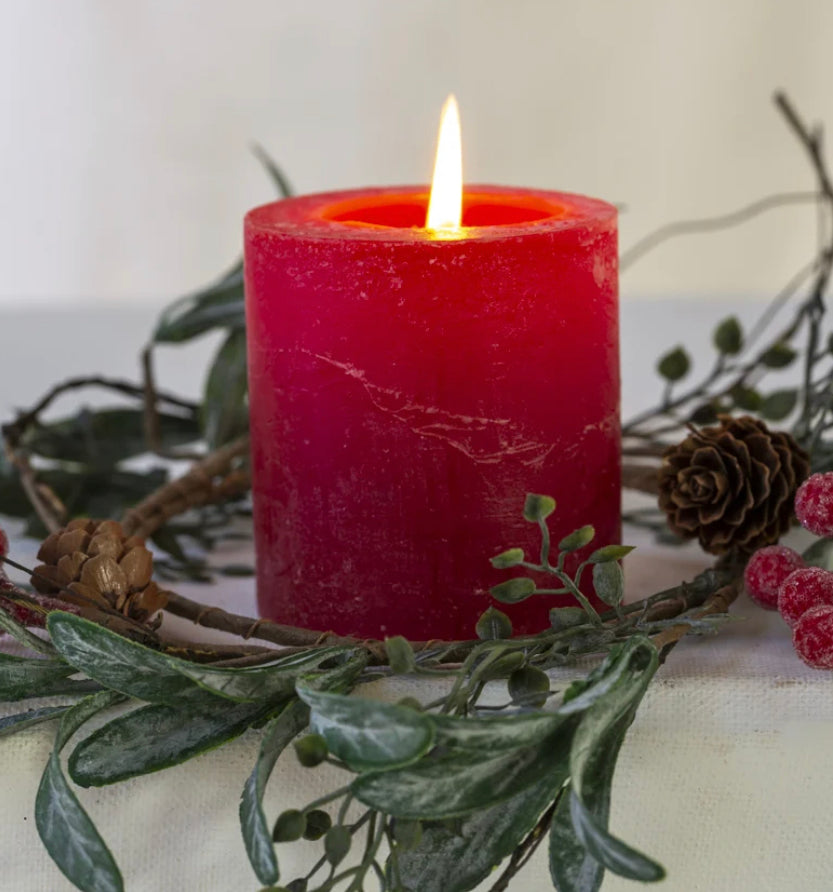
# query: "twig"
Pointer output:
{"type": "Point", "coordinates": [814, 307]}
{"type": "Point", "coordinates": [726, 377]}
{"type": "Point", "coordinates": [151, 423]}
{"type": "Point", "coordinates": [711, 224]}
{"type": "Point", "coordinates": [49, 508]}
{"type": "Point", "coordinates": [218, 477]}
{"type": "Point", "coordinates": [718, 602]}
{"type": "Point", "coordinates": [15, 429]}
{"type": "Point", "coordinates": [662, 605]}
{"type": "Point", "coordinates": [641, 478]}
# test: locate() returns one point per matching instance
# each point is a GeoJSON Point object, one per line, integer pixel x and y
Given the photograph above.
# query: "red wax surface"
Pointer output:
{"type": "Point", "coordinates": [407, 391]}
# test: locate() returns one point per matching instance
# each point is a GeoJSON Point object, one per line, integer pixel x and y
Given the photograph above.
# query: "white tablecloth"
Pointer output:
{"type": "Point", "coordinates": [725, 776]}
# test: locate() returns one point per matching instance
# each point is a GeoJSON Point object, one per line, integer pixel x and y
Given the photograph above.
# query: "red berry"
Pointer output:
{"type": "Point", "coordinates": [766, 570]}
{"type": "Point", "coordinates": [814, 504]}
{"type": "Point", "coordinates": [813, 637]}
{"type": "Point", "coordinates": [804, 589]}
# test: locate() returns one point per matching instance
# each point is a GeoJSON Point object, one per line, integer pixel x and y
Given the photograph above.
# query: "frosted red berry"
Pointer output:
{"type": "Point", "coordinates": [813, 637]}
{"type": "Point", "coordinates": [803, 589]}
{"type": "Point", "coordinates": [766, 570]}
{"type": "Point", "coordinates": [814, 504]}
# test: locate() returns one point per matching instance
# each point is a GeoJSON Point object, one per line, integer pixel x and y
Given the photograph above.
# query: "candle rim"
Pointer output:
{"type": "Point", "coordinates": [311, 216]}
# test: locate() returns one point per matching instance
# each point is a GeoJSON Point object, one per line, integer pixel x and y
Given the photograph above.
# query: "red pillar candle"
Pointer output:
{"type": "Point", "coordinates": [408, 390]}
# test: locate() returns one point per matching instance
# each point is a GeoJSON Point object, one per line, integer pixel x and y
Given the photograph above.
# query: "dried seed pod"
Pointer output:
{"type": "Point", "coordinates": [91, 563]}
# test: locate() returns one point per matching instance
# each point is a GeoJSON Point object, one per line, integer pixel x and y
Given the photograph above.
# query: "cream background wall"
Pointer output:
{"type": "Point", "coordinates": [126, 124]}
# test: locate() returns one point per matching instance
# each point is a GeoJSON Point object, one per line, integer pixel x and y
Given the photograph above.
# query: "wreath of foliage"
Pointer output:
{"type": "Point", "coordinates": [437, 796]}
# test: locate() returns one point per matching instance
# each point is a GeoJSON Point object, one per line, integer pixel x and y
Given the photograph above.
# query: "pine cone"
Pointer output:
{"type": "Point", "coordinates": [732, 486]}
{"type": "Point", "coordinates": [94, 563]}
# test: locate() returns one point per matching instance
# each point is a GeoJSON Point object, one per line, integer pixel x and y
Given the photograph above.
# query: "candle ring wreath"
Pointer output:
{"type": "Point", "coordinates": [439, 796]}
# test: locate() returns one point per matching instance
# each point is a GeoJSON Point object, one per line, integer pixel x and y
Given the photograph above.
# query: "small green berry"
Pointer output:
{"type": "Point", "coordinates": [410, 703]}
{"type": "Point", "coordinates": [318, 823]}
{"type": "Point", "coordinates": [337, 844]}
{"type": "Point", "coordinates": [289, 826]}
{"type": "Point", "coordinates": [311, 750]}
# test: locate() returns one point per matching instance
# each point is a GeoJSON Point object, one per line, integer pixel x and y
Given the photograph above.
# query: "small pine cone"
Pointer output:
{"type": "Point", "coordinates": [93, 563]}
{"type": "Point", "coordinates": [732, 486]}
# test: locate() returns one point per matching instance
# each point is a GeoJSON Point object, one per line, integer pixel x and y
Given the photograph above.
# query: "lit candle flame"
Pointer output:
{"type": "Point", "coordinates": [445, 207]}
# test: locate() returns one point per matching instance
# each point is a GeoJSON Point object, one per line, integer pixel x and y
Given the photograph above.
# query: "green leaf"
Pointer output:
{"type": "Point", "coordinates": [367, 734]}
{"type": "Point", "coordinates": [577, 539]}
{"type": "Point", "coordinates": [277, 176]}
{"type": "Point", "coordinates": [400, 655]}
{"type": "Point", "coordinates": [495, 734]}
{"type": "Point", "coordinates": [779, 404]}
{"type": "Point", "coordinates": [778, 356]}
{"type": "Point", "coordinates": [279, 732]}
{"type": "Point", "coordinates": [460, 781]}
{"type": "Point", "coordinates": [273, 681]}
{"type": "Point", "coordinates": [457, 862]}
{"type": "Point", "coordinates": [11, 724]}
{"type": "Point", "coordinates": [102, 493]}
{"type": "Point", "coordinates": [581, 695]}
{"type": "Point", "coordinates": [341, 678]}
{"type": "Point", "coordinates": [256, 833]}
{"type": "Point", "coordinates": [509, 558]}
{"type": "Point", "coordinates": [674, 365]}
{"type": "Point", "coordinates": [22, 677]}
{"type": "Point", "coordinates": [565, 617]}
{"type": "Point", "coordinates": [138, 671]}
{"type": "Point", "coordinates": [609, 582]}
{"type": "Point", "coordinates": [728, 337]}
{"type": "Point", "coordinates": [529, 686]}
{"type": "Point", "coordinates": [225, 406]}
{"type": "Point", "coordinates": [513, 590]}
{"type": "Point", "coordinates": [500, 667]}
{"type": "Point", "coordinates": [493, 625]}
{"type": "Point", "coordinates": [160, 735]}
{"type": "Point", "coordinates": [20, 633]}
{"type": "Point", "coordinates": [595, 743]}
{"type": "Point", "coordinates": [705, 414]}
{"type": "Point", "coordinates": [220, 305]}
{"type": "Point", "coordinates": [116, 662]}
{"type": "Point", "coordinates": [610, 553]}
{"type": "Point", "coordinates": [408, 834]}
{"type": "Point", "coordinates": [820, 554]}
{"type": "Point", "coordinates": [12, 496]}
{"type": "Point", "coordinates": [104, 437]}
{"type": "Point", "coordinates": [84, 491]}
{"type": "Point", "coordinates": [65, 829]}
{"type": "Point", "coordinates": [538, 507]}
{"type": "Point", "coordinates": [609, 851]}
{"type": "Point", "coordinates": [572, 868]}
{"type": "Point", "coordinates": [747, 398]}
